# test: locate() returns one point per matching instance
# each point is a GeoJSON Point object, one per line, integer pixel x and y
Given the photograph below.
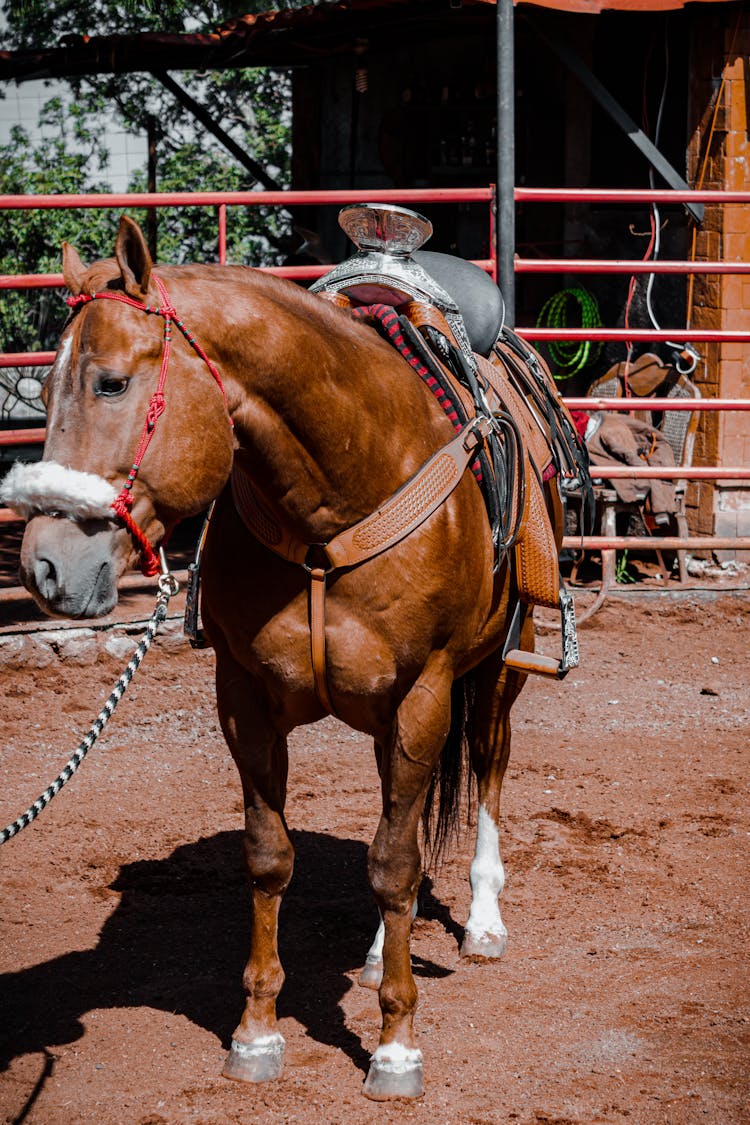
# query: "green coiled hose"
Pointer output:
{"type": "Point", "coordinates": [571, 356]}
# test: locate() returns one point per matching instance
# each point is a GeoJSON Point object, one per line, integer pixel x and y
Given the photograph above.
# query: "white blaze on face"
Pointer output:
{"type": "Point", "coordinates": [487, 879]}
{"type": "Point", "coordinates": [59, 367]}
{"type": "Point", "coordinates": [63, 356]}
{"type": "Point", "coordinates": [51, 489]}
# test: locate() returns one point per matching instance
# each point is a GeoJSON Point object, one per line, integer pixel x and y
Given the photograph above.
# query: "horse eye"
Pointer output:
{"type": "Point", "coordinates": [110, 386]}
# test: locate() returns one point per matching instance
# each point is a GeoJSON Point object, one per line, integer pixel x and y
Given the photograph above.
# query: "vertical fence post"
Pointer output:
{"type": "Point", "coordinates": [152, 221]}
{"type": "Point", "coordinates": [494, 272]}
{"type": "Point", "coordinates": [505, 222]}
{"type": "Point", "coordinates": [222, 234]}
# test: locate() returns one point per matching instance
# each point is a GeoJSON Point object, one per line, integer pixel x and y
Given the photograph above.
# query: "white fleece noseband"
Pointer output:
{"type": "Point", "coordinates": [46, 488]}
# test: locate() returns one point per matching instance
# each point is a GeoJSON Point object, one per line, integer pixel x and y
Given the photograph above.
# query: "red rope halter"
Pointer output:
{"type": "Point", "coordinates": [123, 502]}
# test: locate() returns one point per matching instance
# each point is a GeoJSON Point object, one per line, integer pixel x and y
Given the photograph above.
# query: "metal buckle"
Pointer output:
{"type": "Point", "coordinates": [317, 563]}
{"type": "Point", "coordinates": [476, 432]}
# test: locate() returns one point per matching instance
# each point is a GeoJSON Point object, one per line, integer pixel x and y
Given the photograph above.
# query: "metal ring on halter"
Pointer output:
{"type": "Point", "coordinates": [168, 585]}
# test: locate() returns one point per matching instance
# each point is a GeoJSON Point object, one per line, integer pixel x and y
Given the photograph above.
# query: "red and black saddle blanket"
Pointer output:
{"type": "Point", "coordinates": [512, 474]}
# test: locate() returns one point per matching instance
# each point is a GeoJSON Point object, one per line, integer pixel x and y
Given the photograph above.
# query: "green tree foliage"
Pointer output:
{"type": "Point", "coordinates": [43, 23]}
{"type": "Point", "coordinates": [69, 161]}
{"type": "Point", "coordinates": [250, 104]}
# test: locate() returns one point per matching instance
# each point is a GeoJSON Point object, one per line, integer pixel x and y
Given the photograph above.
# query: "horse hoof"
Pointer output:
{"type": "Point", "coordinates": [483, 947]}
{"type": "Point", "coordinates": [395, 1072]}
{"type": "Point", "coordinates": [259, 1061]}
{"type": "Point", "coordinates": [371, 973]}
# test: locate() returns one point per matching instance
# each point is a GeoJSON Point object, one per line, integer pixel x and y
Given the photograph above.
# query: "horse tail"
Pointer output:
{"type": "Point", "coordinates": [442, 809]}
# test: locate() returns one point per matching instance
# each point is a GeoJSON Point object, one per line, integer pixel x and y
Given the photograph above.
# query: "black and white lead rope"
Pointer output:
{"type": "Point", "coordinates": [167, 587]}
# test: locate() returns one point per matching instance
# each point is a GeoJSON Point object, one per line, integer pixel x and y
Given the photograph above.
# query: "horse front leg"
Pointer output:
{"type": "Point", "coordinates": [371, 974]}
{"type": "Point", "coordinates": [260, 753]}
{"type": "Point", "coordinates": [497, 688]}
{"type": "Point", "coordinates": [408, 759]}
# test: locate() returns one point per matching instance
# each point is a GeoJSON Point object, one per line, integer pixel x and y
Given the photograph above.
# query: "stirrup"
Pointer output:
{"type": "Point", "coordinates": [535, 662]}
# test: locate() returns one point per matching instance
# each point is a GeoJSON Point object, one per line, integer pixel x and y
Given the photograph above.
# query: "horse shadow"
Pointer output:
{"type": "Point", "coordinates": [178, 941]}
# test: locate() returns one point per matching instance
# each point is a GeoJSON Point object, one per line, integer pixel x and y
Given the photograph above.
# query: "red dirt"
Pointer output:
{"type": "Point", "coordinates": [622, 995]}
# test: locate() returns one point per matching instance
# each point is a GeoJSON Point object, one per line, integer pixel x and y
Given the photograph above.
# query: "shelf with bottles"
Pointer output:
{"type": "Point", "coordinates": [462, 145]}
{"type": "Point", "coordinates": [463, 129]}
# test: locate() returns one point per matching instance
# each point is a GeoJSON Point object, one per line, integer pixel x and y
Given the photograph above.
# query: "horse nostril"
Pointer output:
{"type": "Point", "coordinates": [104, 588]}
{"type": "Point", "coordinates": [45, 578]}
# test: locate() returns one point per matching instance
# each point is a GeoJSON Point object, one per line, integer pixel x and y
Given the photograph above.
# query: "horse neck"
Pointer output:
{"type": "Point", "coordinates": [329, 419]}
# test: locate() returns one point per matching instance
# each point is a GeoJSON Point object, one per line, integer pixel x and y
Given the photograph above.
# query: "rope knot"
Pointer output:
{"type": "Point", "coordinates": [79, 299]}
{"type": "Point", "coordinates": [122, 503]}
{"type": "Point", "coordinates": [155, 409]}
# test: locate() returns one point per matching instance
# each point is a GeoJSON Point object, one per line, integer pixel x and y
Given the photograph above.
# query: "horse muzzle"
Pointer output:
{"type": "Point", "coordinates": [70, 568]}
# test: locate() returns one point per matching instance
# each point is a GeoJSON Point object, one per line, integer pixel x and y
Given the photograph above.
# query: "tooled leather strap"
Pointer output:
{"type": "Point", "coordinates": [396, 518]}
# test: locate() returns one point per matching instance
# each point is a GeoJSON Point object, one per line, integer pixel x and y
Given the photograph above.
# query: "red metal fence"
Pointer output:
{"type": "Point", "coordinates": [222, 201]}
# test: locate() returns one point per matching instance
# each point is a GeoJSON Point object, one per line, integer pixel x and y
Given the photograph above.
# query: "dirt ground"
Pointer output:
{"type": "Point", "coordinates": [622, 995]}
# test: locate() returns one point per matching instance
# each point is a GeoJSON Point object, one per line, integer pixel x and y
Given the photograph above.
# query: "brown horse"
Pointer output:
{"type": "Point", "coordinates": [325, 421]}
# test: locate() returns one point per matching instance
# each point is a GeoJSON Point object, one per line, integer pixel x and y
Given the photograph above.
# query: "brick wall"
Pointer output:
{"type": "Point", "coordinates": [719, 157]}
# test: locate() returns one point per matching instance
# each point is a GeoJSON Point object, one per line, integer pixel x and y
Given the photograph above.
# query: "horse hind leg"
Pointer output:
{"type": "Point", "coordinates": [497, 688]}
{"type": "Point", "coordinates": [485, 935]}
{"type": "Point", "coordinates": [257, 1050]}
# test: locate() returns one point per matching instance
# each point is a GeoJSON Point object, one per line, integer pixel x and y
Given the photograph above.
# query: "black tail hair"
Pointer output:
{"type": "Point", "coordinates": [441, 816]}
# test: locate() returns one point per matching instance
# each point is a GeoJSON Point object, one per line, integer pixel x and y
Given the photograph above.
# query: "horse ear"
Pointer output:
{"type": "Point", "coordinates": [73, 269]}
{"type": "Point", "coordinates": [133, 258]}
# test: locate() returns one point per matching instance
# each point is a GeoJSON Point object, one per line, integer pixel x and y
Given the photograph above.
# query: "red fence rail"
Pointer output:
{"type": "Point", "coordinates": [224, 200]}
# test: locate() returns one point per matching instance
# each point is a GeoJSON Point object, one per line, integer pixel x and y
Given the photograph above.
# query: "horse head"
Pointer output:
{"type": "Point", "coordinates": [105, 493]}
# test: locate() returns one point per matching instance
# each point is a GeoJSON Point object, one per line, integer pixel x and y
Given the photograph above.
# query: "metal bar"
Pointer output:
{"type": "Point", "coordinates": [591, 265]}
{"type": "Point", "coordinates": [56, 280]}
{"type": "Point", "coordinates": [243, 198]}
{"type": "Point", "coordinates": [22, 437]}
{"type": "Point", "coordinates": [127, 582]}
{"type": "Point", "coordinates": [381, 195]}
{"type": "Point", "coordinates": [222, 234]}
{"type": "Point", "coordinates": [674, 472]}
{"type": "Point", "coordinates": [522, 265]}
{"type": "Point", "coordinates": [31, 280]}
{"type": "Point", "coordinates": [709, 335]}
{"type": "Point", "coordinates": [646, 403]}
{"type": "Point", "coordinates": [505, 226]}
{"type": "Point", "coordinates": [656, 543]}
{"type": "Point", "coordinates": [152, 215]}
{"type": "Point", "coordinates": [630, 195]}
{"type": "Point", "coordinates": [44, 359]}
{"type": "Point", "coordinates": [294, 273]}
{"type": "Point", "coordinates": [200, 113]}
{"type": "Point", "coordinates": [27, 359]}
